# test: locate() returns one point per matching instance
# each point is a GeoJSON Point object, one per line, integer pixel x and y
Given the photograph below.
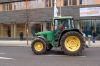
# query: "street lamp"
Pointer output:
{"type": "Point", "coordinates": [27, 20]}
{"type": "Point", "coordinates": [60, 7]}
{"type": "Point", "coordinates": [55, 9]}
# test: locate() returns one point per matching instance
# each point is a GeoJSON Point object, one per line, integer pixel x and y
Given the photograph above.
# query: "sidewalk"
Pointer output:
{"type": "Point", "coordinates": [14, 43]}
{"type": "Point", "coordinates": [24, 43]}
{"type": "Point", "coordinates": [96, 44]}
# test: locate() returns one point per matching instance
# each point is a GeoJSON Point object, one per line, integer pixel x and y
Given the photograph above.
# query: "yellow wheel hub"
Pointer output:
{"type": "Point", "coordinates": [38, 46]}
{"type": "Point", "coordinates": [72, 43]}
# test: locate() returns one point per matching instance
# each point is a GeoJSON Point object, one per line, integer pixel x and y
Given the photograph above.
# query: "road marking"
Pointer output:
{"type": "Point", "coordinates": [66, 55]}
{"type": "Point", "coordinates": [6, 58]}
{"type": "Point", "coordinates": [82, 56]}
{"type": "Point", "coordinates": [54, 55]}
{"type": "Point", "coordinates": [2, 53]}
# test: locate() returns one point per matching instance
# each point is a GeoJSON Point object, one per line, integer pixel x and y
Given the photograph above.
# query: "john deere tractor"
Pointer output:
{"type": "Point", "coordinates": [63, 35]}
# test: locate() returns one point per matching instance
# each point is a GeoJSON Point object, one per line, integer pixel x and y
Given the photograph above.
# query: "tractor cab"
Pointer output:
{"type": "Point", "coordinates": [63, 23]}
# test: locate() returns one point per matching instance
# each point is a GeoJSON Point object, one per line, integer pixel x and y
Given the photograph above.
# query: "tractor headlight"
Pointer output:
{"type": "Point", "coordinates": [36, 34]}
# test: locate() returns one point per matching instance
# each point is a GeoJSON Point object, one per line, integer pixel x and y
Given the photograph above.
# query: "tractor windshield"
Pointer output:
{"type": "Point", "coordinates": [63, 23]}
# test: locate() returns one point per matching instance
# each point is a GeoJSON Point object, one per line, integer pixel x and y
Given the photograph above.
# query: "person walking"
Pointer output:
{"type": "Point", "coordinates": [21, 35]}
{"type": "Point", "coordinates": [93, 34]}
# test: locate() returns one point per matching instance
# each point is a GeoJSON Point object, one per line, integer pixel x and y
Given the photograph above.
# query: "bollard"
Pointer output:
{"type": "Point", "coordinates": [89, 40]}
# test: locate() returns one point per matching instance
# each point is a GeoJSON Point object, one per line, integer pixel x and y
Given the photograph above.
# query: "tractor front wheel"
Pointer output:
{"type": "Point", "coordinates": [72, 43]}
{"type": "Point", "coordinates": [39, 46]}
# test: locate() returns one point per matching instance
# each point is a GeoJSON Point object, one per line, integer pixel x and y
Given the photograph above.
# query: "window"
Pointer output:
{"type": "Point", "coordinates": [39, 3]}
{"type": "Point", "coordinates": [7, 7]}
{"type": "Point", "coordinates": [46, 3]}
{"type": "Point", "coordinates": [26, 0]}
{"type": "Point", "coordinates": [98, 26]}
{"type": "Point", "coordinates": [69, 2]}
{"type": "Point", "coordinates": [1, 7]}
{"type": "Point", "coordinates": [89, 2]}
{"type": "Point", "coordinates": [48, 25]}
{"type": "Point", "coordinates": [80, 1]}
{"type": "Point", "coordinates": [52, 2]}
{"type": "Point", "coordinates": [65, 2]}
{"type": "Point", "coordinates": [67, 23]}
{"type": "Point", "coordinates": [32, 4]}
{"type": "Point", "coordinates": [18, 5]}
{"type": "Point", "coordinates": [74, 2]}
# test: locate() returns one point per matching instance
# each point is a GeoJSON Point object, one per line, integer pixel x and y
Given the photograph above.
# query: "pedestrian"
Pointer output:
{"type": "Point", "coordinates": [93, 34]}
{"type": "Point", "coordinates": [21, 35]}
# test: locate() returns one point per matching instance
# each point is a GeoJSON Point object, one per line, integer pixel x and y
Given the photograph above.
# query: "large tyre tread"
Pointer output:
{"type": "Point", "coordinates": [81, 49]}
{"type": "Point", "coordinates": [44, 45]}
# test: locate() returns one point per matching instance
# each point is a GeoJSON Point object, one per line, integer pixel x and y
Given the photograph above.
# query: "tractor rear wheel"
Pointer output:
{"type": "Point", "coordinates": [39, 46]}
{"type": "Point", "coordinates": [72, 43]}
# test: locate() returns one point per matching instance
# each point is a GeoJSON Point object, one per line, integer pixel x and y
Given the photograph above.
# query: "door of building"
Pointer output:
{"type": "Point", "coordinates": [9, 31]}
{"type": "Point", "coordinates": [87, 26]}
{"type": "Point", "coordinates": [36, 28]}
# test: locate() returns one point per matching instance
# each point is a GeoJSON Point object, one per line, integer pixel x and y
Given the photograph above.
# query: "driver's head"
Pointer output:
{"type": "Point", "coordinates": [60, 27]}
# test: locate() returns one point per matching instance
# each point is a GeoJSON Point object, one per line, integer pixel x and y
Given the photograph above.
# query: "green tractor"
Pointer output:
{"type": "Point", "coordinates": [63, 34]}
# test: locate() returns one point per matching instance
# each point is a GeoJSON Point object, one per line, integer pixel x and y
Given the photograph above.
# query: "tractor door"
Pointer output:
{"type": "Point", "coordinates": [61, 24]}
{"type": "Point", "coordinates": [66, 23]}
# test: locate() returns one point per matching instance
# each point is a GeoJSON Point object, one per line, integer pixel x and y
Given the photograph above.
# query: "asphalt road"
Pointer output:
{"type": "Point", "coordinates": [23, 56]}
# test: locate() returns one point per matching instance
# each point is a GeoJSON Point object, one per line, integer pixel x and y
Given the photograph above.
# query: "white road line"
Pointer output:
{"type": "Point", "coordinates": [82, 56]}
{"type": "Point", "coordinates": [65, 55]}
{"type": "Point", "coordinates": [2, 53]}
{"type": "Point", "coordinates": [54, 55]}
{"type": "Point", "coordinates": [6, 58]}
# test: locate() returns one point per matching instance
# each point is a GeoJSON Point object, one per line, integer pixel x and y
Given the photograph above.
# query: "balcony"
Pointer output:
{"type": "Point", "coordinates": [9, 1]}
{"type": "Point", "coordinates": [36, 15]}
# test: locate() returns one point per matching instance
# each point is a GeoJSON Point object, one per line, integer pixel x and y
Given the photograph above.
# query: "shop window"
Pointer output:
{"type": "Point", "coordinates": [98, 26]}
{"type": "Point", "coordinates": [36, 28]}
{"type": "Point", "coordinates": [48, 27]}
{"type": "Point", "coordinates": [85, 26]}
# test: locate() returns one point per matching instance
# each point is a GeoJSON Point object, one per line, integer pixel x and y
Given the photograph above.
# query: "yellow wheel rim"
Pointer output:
{"type": "Point", "coordinates": [38, 46]}
{"type": "Point", "coordinates": [72, 43]}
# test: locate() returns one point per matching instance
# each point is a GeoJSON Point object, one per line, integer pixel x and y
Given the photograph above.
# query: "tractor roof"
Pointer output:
{"type": "Point", "coordinates": [63, 17]}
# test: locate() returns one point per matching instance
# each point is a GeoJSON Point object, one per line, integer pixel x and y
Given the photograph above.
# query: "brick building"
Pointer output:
{"type": "Point", "coordinates": [39, 13]}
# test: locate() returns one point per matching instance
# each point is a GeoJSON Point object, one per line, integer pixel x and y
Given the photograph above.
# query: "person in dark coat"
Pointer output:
{"type": "Point", "coordinates": [21, 35]}
{"type": "Point", "coordinates": [93, 34]}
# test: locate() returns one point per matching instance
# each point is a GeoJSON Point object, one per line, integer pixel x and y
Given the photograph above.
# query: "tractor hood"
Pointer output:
{"type": "Point", "coordinates": [48, 35]}
{"type": "Point", "coordinates": [43, 33]}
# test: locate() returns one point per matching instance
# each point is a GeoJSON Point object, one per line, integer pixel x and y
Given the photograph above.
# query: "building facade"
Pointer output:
{"type": "Point", "coordinates": [14, 15]}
